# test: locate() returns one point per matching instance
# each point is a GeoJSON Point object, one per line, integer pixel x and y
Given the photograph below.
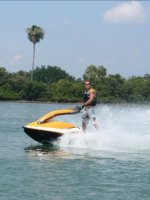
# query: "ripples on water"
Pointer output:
{"type": "Point", "coordinates": [111, 164]}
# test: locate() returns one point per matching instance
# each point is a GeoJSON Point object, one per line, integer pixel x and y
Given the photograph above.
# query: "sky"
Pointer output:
{"type": "Point", "coordinates": [114, 34]}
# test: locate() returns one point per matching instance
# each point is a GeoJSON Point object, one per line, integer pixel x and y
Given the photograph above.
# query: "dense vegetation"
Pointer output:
{"type": "Point", "coordinates": [51, 83]}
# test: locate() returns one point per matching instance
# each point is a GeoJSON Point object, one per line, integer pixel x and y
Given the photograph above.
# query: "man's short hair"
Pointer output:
{"type": "Point", "coordinates": [88, 81]}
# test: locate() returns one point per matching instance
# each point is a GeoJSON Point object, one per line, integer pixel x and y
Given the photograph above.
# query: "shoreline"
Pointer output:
{"type": "Point", "coordinates": [44, 102]}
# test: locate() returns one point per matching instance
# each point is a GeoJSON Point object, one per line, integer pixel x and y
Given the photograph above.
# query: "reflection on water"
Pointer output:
{"type": "Point", "coordinates": [47, 151]}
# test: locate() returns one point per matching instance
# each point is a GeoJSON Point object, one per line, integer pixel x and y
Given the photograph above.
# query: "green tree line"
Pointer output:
{"type": "Point", "coordinates": [51, 83]}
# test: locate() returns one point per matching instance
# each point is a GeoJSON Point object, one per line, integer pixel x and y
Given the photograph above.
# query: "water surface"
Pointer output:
{"type": "Point", "coordinates": [111, 164]}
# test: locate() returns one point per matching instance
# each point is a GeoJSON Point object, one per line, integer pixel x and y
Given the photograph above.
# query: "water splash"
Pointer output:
{"type": "Point", "coordinates": [123, 128]}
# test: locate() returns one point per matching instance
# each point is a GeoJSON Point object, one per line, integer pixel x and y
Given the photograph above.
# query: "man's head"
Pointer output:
{"type": "Point", "coordinates": [87, 84]}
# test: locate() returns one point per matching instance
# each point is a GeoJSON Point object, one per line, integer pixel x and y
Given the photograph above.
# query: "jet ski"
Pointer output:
{"type": "Point", "coordinates": [47, 128]}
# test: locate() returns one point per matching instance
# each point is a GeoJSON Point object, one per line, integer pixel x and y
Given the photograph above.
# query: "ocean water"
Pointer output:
{"type": "Point", "coordinates": [111, 164]}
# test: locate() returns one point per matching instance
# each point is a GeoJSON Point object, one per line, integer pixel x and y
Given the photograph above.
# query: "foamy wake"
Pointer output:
{"type": "Point", "coordinates": [106, 141]}
{"type": "Point", "coordinates": [121, 129]}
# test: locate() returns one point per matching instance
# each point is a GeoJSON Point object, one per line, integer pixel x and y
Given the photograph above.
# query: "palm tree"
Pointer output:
{"type": "Point", "coordinates": [35, 33]}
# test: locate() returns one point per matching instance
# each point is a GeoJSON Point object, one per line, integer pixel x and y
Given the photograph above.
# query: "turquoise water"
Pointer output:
{"type": "Point", "coordinates": [113, 164]}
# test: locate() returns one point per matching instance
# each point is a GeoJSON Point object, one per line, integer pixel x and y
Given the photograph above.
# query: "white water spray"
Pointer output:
{"type": "Point", "coordinates": [122, 128]}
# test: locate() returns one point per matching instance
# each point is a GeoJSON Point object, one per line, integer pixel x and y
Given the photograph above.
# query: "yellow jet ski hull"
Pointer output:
{"type": "Point", "coordinates": [46, 129]}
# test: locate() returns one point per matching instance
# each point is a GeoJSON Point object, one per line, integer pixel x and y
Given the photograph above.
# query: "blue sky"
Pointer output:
{"type": "Point", "coordinates": [115, 34]}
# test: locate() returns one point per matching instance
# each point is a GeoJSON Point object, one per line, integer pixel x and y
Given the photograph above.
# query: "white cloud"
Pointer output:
{"type": "Point", "coordinates": [131, 12]}
{"type": "Point", "coordinates": [16, 58]}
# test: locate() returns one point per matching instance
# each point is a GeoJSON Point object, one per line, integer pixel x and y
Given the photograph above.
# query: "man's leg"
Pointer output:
{"type": "Point", "coordinates": [95, 124]}
{"type": "Point", "coordinates": [93, 117]}
{"type": "Point", "coordinates": [84, 126]}
{"type": "Point", "coordinates": [85, 120]}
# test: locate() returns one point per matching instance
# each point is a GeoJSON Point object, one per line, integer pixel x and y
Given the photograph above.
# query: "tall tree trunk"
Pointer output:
{"type": "Point", "coordinates": [33, 62]}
